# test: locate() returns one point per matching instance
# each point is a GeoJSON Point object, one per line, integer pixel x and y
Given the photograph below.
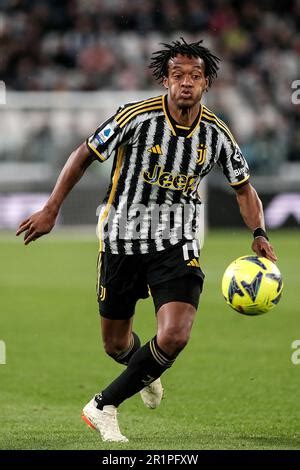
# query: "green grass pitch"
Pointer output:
{"type": "Point", "coordinates": [233, 387]}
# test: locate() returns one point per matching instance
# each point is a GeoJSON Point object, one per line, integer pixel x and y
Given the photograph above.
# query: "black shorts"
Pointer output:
{"type": "Point", "coordinates": [170, 275]}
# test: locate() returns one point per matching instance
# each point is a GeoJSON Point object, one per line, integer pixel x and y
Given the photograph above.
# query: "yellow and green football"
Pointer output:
{"type": "Point", "coordinates": [252, 285]}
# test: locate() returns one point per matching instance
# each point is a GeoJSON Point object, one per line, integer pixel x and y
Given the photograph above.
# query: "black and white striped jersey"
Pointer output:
{"type": "Point", "coordinates": [153, 198]}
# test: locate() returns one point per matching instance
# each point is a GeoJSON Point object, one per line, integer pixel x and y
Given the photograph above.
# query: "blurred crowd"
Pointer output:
{"type": "Point", "coordinates": [106, 45]}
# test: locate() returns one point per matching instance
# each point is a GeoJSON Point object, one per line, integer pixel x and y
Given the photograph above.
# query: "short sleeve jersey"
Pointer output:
{"type": "Point", "coordinates": [153, 198]}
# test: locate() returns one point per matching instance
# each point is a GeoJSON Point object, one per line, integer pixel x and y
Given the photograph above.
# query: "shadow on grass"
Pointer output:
{"type": "Point", "coordinates": [68, 434]}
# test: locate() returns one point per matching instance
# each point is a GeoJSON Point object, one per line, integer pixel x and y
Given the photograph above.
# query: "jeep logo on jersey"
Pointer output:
{"type": "Point", "coordinates": [164, 179]}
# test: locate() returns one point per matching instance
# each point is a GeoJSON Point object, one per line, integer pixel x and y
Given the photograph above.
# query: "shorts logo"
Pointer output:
{"type": "Point", "coordinates": [194, 263]}
{"type": "Point", "coordinates": [201, 150]}
{"type": "Point", "coordinates": [102, 293]}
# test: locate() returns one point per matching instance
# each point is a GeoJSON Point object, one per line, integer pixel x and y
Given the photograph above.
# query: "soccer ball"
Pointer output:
{"type": "Point", "coordinates": [252, 285]}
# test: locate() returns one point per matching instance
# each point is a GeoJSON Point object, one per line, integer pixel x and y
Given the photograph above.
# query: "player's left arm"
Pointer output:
{"type": "Point", "coordinates": [251, 209]}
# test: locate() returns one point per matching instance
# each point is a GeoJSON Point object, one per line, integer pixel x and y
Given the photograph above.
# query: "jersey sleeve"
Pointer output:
{"type": "Point", "coordinates": [107, 138]}
{"type": "Point", "coordinates": [233, 163]}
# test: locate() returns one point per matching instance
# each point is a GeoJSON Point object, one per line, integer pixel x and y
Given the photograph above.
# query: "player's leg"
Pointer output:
{"type": "Point", "coordinates": [119, 341]}
{"type": "Point", "coordinates": [117, 297]}
{"type": "Point", "coordinates": [175, 278]}
{"type": "Point", "coordinates": [175, 319]}
{"type": "Point", "coordinates": [150, 361]}
{"type": "Point", "coordinates": [118, 292]}
{"type": "Point", "coordinates": [174, 324]}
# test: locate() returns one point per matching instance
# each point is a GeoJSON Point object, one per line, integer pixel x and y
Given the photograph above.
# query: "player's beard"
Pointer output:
{"type": "Point", "coordinates": [186, 104]}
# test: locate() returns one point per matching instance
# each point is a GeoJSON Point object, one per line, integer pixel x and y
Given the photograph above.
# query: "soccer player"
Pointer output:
{"type": "Point", "coordinates": [162, 147]}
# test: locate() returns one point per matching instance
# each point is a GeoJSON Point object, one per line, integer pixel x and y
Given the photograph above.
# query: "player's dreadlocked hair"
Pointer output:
{"type": "Point", "coordinates": [160, 59]}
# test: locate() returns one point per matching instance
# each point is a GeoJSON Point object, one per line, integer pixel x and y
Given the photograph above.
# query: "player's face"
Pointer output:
{"type": "Point", "coordinates": [186, 81]}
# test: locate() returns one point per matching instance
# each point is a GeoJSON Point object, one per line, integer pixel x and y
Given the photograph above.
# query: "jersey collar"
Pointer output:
{"type": "Point", "coordinates": [174, 126]}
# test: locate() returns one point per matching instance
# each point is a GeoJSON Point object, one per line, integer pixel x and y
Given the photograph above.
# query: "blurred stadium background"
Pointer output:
{"type": "Point", "coordinates": [66, 66]}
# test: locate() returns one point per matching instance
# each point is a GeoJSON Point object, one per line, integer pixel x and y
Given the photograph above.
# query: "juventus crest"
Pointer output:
{"type": "Point", "coordinates": [201, 150]}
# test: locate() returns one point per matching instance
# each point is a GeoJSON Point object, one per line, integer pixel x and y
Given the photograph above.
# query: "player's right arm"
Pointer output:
{"type": "Point", "coordinates": [99, 146]}
{"type": "Point", "coordinates": [43, 221]}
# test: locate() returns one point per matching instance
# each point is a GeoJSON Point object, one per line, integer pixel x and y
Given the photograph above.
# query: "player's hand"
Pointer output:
{"type": "Point", "coordinates": [37, 225]}
{"type": "Point", "coordinates": [262, 247]}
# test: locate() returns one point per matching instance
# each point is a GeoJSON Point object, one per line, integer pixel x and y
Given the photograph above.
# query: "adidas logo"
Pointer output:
{"type": "Point", "coordinates": [156, 149]}
{"type": "Point", "coordinates": [194, 263]}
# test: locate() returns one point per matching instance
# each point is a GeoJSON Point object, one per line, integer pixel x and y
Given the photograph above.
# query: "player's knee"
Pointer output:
{"type": "Point", "coordinates": [115, 346]}
{"type": "Point", "coordinates": [172, 340]}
